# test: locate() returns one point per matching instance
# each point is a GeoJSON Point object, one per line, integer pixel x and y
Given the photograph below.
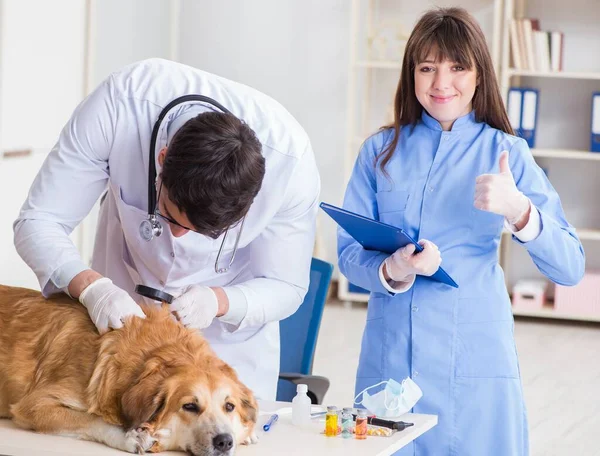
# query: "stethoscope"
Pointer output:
{"type": "Point", "coordinates": [151, 227]}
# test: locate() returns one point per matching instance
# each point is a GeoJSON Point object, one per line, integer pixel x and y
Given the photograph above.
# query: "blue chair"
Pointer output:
{"type": "Point", "coordinates": [299, 334]}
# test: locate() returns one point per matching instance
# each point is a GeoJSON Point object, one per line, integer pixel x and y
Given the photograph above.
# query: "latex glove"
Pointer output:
{"type": "Point", "coordinates": [404, 263]}
{"type": "Point", "coordinates": [108, 305]}
{"type": "Point", "coordinates": [196, 307]}
{"type": "Point", "coordinates": [499, 194]}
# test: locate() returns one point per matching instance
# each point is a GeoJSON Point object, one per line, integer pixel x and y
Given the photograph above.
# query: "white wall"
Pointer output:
{"type": "Point", "coordinates": [41, 69]}
{"type": "Point", "coordinates": [127, 31]}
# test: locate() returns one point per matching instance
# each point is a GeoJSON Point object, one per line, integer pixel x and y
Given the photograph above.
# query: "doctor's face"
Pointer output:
{"type": "Point", "coordinates": [444, 89]}
{"type": "Point", "coordinates": [178, 221]}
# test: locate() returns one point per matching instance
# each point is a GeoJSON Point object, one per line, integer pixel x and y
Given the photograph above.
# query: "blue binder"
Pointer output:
{"type": "Point", "coordinates": [595, 132]}
{"type": "Point", "coordinates": [374, 235]}
{"type": "Point", "coordinates": [522, 107]}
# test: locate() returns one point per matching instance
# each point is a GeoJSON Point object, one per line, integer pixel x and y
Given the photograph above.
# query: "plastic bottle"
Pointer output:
{"type": "Point", "coordinates": [301, 406]}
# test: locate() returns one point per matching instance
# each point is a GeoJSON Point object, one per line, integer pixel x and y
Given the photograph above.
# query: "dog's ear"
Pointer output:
{"type": "Point", "coordinates": [144, 401]}
{"type": "Point", "coordinates": [249, 406]}
{"type": "Point", "coordinates": [249, 412]}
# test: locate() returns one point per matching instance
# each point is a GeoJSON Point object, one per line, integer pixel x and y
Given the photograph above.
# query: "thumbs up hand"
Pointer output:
{"type": "Point", "coordinates": [499, 194]}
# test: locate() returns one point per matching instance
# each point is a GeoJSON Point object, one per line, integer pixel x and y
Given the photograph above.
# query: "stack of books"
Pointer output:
{"type": "Point", "coordinates": [533, 49]}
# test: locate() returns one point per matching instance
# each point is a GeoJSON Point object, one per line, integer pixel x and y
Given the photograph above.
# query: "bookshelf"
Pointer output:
{"type": "Point", "coordinates": [573, 169]}
{"type": "Point", "coordinates": [511, 72]}
{"type": "Point", "coordinates": [566, 154]}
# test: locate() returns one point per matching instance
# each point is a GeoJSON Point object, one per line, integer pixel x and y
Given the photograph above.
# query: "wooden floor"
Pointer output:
{"type": "Point", "coordinates": [560, 367]}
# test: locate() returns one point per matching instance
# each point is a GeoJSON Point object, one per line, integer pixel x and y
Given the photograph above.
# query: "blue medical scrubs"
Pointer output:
{"type": "Point", "coordinates": [456, 344]}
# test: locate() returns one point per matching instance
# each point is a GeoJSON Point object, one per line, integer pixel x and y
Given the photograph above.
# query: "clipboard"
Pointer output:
{"type": "Point", "coordinates": [374, 235]}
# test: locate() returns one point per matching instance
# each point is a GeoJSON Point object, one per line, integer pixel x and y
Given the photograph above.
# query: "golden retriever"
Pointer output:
{"type": "Point", "coordinates": [152, 385]}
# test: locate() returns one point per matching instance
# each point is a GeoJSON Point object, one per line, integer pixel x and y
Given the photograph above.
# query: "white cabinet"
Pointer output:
{"type": "Point", "coordinates": [52, 53]}
{"type": "Point", "coordinates": [42, 45]}
{"type": "Point", "coordinates": [16, 175]}
{"type": "Point", "coordinates": [41, 69]}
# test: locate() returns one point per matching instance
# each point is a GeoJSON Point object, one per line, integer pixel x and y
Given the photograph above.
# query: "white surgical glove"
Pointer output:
{"type": "Point", "coordinates": [499, 194]}
{"type": "Point", "coordinates": [405, 263]}
{"type": "Point", "coordinates": [196, 307]}
{"type": "Point", "coordinates": [108, 305]}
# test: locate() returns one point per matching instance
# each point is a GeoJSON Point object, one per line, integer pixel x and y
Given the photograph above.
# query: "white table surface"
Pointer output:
{"type": "Point", "coordinates": [283, 438]}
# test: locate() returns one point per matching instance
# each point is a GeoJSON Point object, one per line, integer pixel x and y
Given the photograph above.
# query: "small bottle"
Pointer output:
{"type": "Point", "coordinates": [331, 421]}
{"type": "Point", "coordinates": [347, 422]}
{"type": "Point", "coordinates": [361, 424]}
{"type": "Point", "coordinates": [301, 406]}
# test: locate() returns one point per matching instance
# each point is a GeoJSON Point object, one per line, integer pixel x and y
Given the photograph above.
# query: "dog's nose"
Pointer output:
{"type": "Point", "coordinates": [223, 442]}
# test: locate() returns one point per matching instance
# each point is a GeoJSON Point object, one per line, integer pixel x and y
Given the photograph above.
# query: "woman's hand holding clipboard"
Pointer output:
{"type": "Point", "coordinates": [375, 235]}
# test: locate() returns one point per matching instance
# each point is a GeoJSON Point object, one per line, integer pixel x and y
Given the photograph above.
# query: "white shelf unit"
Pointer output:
{"type": "Point", "coordinates": [554, 74]}
{"type": "Point", "coordinates": [549, 312]}
{"type": "Point", "coordinates": [566, 154]}
{"type": "Point", "coordinates": [364, 68]}
{"type": "Point", "coordinates": [561, 157]}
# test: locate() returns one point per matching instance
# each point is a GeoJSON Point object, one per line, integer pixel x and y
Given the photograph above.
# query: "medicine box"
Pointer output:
{"type": "Point", "coordinates": [529, 294]}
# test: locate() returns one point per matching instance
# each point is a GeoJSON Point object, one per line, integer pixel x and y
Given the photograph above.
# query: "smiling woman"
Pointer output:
{"type": "Point", "coordinates": [442, 171]}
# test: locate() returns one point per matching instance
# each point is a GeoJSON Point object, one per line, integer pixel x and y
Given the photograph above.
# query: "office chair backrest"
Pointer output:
{"type": "Point", "coordinates": [299, 331]}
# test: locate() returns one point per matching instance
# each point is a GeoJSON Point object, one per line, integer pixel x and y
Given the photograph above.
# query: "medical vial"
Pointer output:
{"type": "Point", "coordinates": [361, 425]}
{"type": "Point", "coordinates": [347, 422]}
{"type": "Point", "coordinates": [331, 421]}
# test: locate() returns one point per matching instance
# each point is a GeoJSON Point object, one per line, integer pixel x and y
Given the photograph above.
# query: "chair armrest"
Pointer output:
{"type": "Point", "coordinates": [317, 385]}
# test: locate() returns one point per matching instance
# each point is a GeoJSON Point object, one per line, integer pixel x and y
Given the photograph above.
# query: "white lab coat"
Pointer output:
{"type": "Point", "coordinates": [105, 145]}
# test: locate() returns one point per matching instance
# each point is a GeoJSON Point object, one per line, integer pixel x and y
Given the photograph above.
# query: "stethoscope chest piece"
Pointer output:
{"type": "Point", "coordinates": [150, 228]}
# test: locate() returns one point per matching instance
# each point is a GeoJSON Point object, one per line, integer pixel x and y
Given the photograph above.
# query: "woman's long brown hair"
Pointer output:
{"type": "Point", "coordinates": [454, 35]}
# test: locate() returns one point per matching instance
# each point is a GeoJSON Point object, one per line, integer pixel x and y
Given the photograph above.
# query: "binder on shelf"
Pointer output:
{"type": "Point", "coordinates": [522, 107]}
{"type": "Point", "coordinates": [595, 133]}
{"type": "Point", "coordinates": [514, 105]}
{"type": "Point", "coordinates": [529, 116]}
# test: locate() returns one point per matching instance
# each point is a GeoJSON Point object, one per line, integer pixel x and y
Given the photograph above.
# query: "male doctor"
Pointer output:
{"type": "Point", "coordinates": [236, 195]}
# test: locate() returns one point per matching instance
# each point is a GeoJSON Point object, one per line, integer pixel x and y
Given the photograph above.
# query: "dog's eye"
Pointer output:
{"type": "Point", "coordinates": [191, 407]}
{"type": "Point", "coordinates": [229, 407]}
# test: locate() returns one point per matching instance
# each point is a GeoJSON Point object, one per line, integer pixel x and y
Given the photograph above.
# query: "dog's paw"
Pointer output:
{"type": "Point", "coordinates": [252, 438]}
{"type": "Point", "coordinates": [140, 440]}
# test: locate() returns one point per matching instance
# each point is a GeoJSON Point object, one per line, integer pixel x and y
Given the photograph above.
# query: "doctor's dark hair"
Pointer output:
{"type": "Point", "coordinates": [456, 36]}
{"type": "Point", "coordinates": [213, 170]}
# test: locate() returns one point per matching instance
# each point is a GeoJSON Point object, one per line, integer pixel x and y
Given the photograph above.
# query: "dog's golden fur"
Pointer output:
{"type": "Point", "coordinates": [151, 386]}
